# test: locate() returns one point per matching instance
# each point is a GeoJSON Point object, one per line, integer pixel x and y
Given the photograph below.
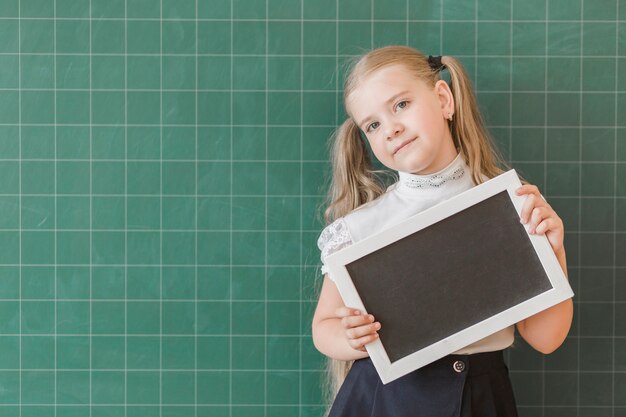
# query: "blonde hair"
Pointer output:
{"type": "Point", "coordinates": [355, 181]}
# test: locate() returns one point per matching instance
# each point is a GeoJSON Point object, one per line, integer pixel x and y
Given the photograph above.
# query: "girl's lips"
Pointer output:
{"type": "Point", "coordinates": [403, 146]}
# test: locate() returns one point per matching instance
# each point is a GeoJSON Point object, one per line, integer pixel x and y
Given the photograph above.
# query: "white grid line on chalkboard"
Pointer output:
{"type": "Point", "coordinates": [173, 301]}
{"type": "Point", "coordinates": [441, 51]}
{"type": "Point", "coordinates": [510, 129]}
{"type": "Point", "coordinates": [195, 288]}
{"type": "Point", "coordinates": [406, 27]}
{"type": "Point", "coordinates": [247, 335]}
{"type": "Point", "coordinates": [230, 273]}
{"type": "Point", "coordinates": [614, 277]}
{"type": "Point", "coordinates": [219, 300]}
{"type": "Point", "coordinates": [574, 267]}
{"type": "Point", "coordinates": [236, 20]}
{"type": "Point", "coordinates": [19, 176]}
{"type": "Point", "coordinates": [301, 202]}
{"type": "Point", "coordinates": [239, 161]}
{"type": "Point", "coordinates": [265, 202]}
{"type": "Point", "coordinates": [54, 54]}
{"type": "Point", "coordinates": [253, 55]}
{"type": "Point", "coordinates": [161, 209]}
{"type": "Point", "coordinates": [140, 230]}
{"type": "Point", "coordinates": [252, 90]}
{"type": "Point", "coordinates": [371, 22]}
{"type": "Point", "coordinates": [304, 125]}
{"type": "Point", "coordinates": [126, 208]}
{"type": "Point", "coordinates": [580, 123]}
{"type": "Point", "coordinates": [545, 156]}
{"type": "Point", "coordinates": [90, 212]}
{"type": "Point", "coordinates": [311, 370]}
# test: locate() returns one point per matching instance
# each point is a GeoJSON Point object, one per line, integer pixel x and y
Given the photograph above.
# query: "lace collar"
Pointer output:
{"type": "Point", "coordinates": [454, 172]}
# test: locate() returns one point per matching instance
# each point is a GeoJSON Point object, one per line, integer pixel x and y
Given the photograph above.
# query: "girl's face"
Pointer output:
{"type": "Point", "coordinates": [404, 120]}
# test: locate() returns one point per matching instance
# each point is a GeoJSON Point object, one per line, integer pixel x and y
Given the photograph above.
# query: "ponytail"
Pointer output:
{"type": "Point", "coordinates": [336, 373]}
{"type": "Point", "coordinates": [468, 127]}
{"type": "Point", "coordinates": [354, 181]}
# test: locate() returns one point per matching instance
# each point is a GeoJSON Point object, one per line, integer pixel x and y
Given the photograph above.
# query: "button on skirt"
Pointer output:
{"type": "Point", "coordinates": [454, 386]}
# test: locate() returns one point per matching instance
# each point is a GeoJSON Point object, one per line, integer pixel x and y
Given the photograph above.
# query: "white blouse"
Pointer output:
{"type": "Point", "coordinates": [410, 195]}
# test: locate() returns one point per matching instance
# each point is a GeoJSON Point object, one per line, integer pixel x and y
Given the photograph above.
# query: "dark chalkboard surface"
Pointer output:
{"type": "Point", "coordinates": [478, 263]}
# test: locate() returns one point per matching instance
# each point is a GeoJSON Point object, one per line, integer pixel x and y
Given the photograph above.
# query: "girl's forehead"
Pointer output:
{"type": "Point", "coordinates": [381, 84]}
{"type": "Point", "coordinates": [385, 79]}
{"type": "Point", "coordinates": [389, 75]}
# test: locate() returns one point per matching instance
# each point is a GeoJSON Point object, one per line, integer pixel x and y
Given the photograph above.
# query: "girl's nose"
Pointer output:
{"type": "Point", "coordinates": [394, 129]}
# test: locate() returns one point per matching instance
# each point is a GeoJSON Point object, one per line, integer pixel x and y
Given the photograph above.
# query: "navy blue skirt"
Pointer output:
{"type": "Point", "coordinates": [454, 386]}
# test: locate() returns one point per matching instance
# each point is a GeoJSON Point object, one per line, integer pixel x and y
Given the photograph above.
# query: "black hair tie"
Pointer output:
{"type": "Point", "coordinates": [435, 62]}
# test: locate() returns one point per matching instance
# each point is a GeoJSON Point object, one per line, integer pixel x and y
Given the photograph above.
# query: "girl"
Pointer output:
{"type": "Point", "coordinates": [432, 134]}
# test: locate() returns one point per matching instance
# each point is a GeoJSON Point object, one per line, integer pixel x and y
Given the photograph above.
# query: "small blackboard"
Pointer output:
{"type": "Point", "coordinates": [449, 276]}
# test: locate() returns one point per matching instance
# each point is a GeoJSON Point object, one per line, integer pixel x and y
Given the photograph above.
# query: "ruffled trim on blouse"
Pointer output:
{"type": "Point", "coordinates": [418, 184]}
{"type": "Point", "coordinates": [334, 237]}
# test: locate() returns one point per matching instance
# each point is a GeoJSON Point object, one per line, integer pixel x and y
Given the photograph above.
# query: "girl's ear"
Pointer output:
{"type": "Point", "coordinates": [442, 89]}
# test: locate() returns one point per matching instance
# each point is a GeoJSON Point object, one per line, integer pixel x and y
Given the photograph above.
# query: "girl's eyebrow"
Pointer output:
{"type": "Point", "coordinates": [390, 99]}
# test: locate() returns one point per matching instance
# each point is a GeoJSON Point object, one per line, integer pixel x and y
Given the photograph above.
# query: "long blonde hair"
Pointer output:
{"type": "Point", "coordinates": [354, 179]}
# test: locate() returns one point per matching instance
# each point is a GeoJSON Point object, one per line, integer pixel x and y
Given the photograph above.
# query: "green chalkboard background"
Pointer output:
{"type": "Point", "coordinates": [162, 163]}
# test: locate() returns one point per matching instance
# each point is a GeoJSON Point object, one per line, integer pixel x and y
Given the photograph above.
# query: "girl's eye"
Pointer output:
{"type": "Point", "coordinates": [402, 104]}
{"type": "Point", "coordinates": [372, 126]}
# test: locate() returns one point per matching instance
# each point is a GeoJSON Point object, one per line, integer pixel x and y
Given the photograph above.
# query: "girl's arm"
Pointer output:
{"type": "Point", "coordinates": [546, 330]}
{"type": "Point", "coordinates": [340, 332]}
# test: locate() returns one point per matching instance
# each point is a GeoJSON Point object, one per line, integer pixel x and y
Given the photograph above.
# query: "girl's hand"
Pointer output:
{"type": "Point", "coordinates": [360, 329]}
{"type": "Point", "coordinates": [540, 217]}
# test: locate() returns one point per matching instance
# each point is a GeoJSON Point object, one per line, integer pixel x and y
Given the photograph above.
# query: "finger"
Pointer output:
{"type": "Point", "coordinates": [527, 189]}
{"type": "Point", "coordinates": [359, 344]}
{"type": "Point", "coordinates": [355, 321]}
{"type": "Point", "coordinates": [533, 203]}
{"type": "Point", "coordinates": [553, 229]}
{"type": "Point", "coordinates": [527, 208]}
{"type": "Point", "coordinates": [360, 331]}
{"type": "Point", "coordinates": [548, 224]}
{"type": "Point", "coordinates": [538, 215]}
{"type": "Point", "coordinates": [346, 312]}
{"type": "Point", "coordinates": [532, 190]}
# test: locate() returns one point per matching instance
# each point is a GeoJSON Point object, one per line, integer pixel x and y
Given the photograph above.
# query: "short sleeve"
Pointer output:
{"type": "Point", "coordinates": [334, 237]}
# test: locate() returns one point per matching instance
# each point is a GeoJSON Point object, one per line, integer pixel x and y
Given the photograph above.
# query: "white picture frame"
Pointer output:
{"type": "Point", "coordinates": [388, 371]}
